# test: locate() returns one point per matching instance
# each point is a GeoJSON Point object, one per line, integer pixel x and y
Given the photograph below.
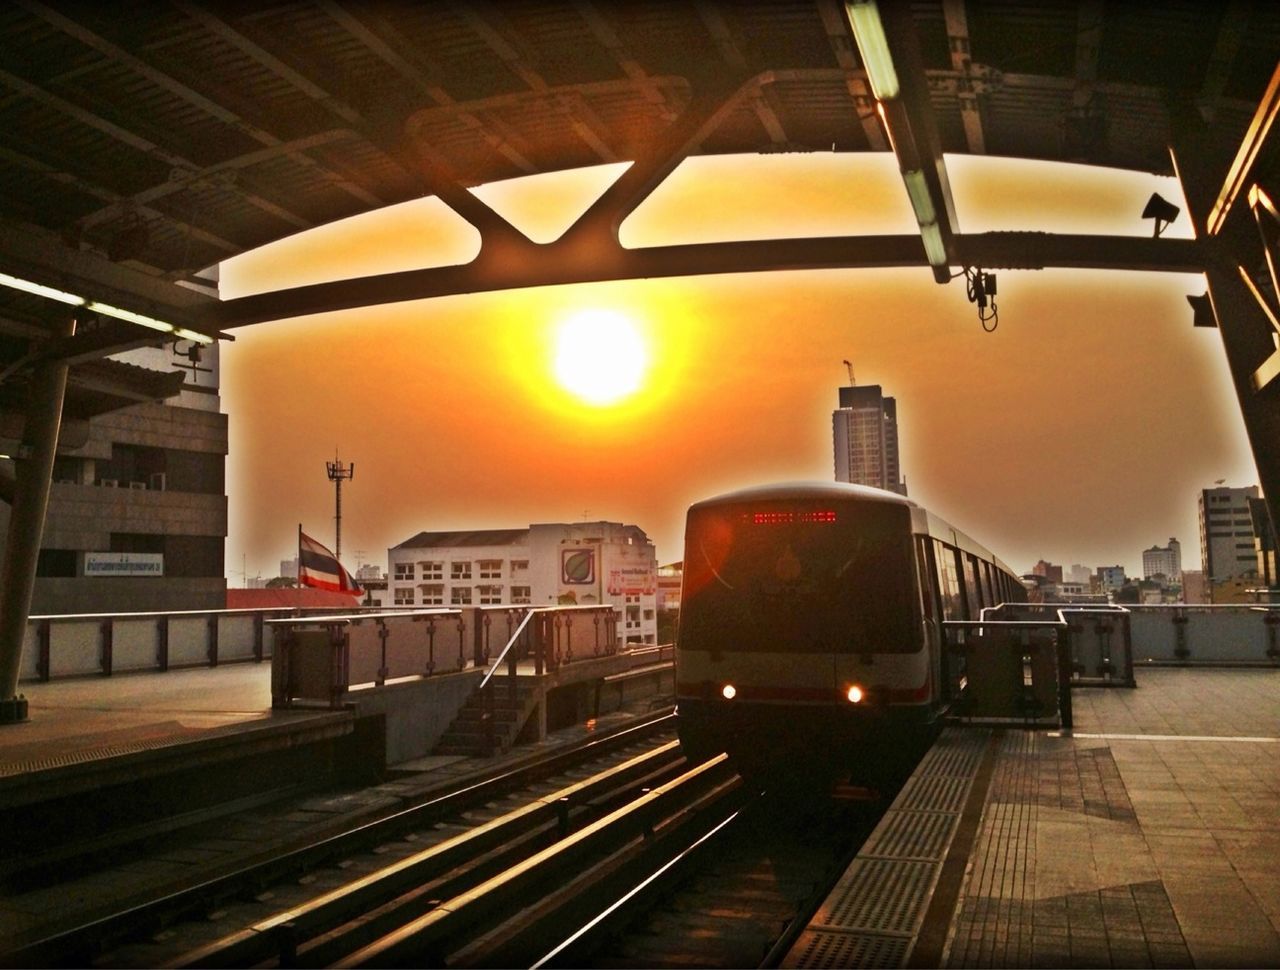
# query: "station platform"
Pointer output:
{"type": "Point", "coordinates": [85, 733]}
{"type": "Point", "coordinates": [125, 727]}
{"type": "Point", "coordinates": [1148, 836]}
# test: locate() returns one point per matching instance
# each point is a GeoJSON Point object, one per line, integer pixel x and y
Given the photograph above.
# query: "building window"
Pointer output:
{"type": "Point", "coordinates": [403, 596]}
{"type": "Point", "coordinates": [460, 570]}
{"type": "Point", "coordinates": [461, 595]}
{"type": "Point", "coordinates": [490, 595]}
{"type": "Point", "coordinates": [519, 564]}
{"type": "Point", "coordinates": [490, 568]}
{"type": "Point", "coordinates": [432, 570]}
{"type": "Point", "coordinates": [404, 570]}
{"type": "Point", "coordinates": [521, 594]}
{"type": "Point", "coordinates": [433, 595]}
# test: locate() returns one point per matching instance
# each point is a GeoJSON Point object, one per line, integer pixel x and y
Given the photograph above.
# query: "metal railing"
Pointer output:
{"type": "Point", "coordinates": [80, 644]}
{"type": "Point", "coordinates": [1013, 653]}
{"type": "Point", "coordinates": [1099, 638]}
{"type": "Point", "coordinates": [324, 658]}
{"type": "Point", "coordinates": [1211, 635]}
{"type": "Point", "coordinates": [550, 637]}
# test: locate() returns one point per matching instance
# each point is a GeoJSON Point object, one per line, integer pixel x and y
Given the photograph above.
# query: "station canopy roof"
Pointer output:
{"type": "Point", "coordinates": [144, 146]}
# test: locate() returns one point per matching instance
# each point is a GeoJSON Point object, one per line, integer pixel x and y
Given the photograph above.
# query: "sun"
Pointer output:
{"type": "Point", "coordinates": [600, 356]}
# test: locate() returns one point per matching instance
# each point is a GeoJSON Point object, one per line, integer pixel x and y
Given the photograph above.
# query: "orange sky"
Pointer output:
{"type": "Point", "coordinates": [1080, 431]}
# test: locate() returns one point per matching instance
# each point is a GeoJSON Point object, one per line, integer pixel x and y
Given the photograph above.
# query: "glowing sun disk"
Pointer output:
{"type": "Point", "coordinates": [600, 356]}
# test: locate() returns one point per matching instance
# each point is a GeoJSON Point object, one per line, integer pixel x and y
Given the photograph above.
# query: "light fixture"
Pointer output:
{"type": "Point", "coordinates": [106, 309]}
{"type": "Point", "coordinates": [873, 46]}
{"type": "Point", "coordinates": [918, 190]}
{"type": "Point", "coordinates": [48, 292]}
{"type": "Point", "coordinates": [934, 250]}
{"type": "Point", "coordinates": [855, 694]}
{"type": "Point", "coordinates": [1161, 210]}
{"type": "Point", "coordinates": [729, 692]}
{"type": "Point", "coordinates": [142, 321]}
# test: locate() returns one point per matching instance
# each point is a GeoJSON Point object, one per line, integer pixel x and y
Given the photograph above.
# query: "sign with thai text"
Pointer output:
{"type": "Point", "coordinates": [124, 564]}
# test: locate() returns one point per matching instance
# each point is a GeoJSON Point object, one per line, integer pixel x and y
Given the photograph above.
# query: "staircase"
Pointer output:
{"type": "Point", "coordinates": [467, 736]}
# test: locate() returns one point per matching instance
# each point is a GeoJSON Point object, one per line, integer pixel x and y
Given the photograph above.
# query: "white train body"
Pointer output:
{"type": "Point", "coordinates": [810, 623]}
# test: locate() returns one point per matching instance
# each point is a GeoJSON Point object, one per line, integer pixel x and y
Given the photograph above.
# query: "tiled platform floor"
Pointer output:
{"type": "Point", "coordinates": [85, 715]}
{"type": "Point", "coordinates": [1149, 837]}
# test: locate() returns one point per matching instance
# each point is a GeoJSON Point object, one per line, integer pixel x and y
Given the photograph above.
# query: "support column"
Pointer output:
{"type": "Point", "coordinates": [26, 523]}
{"type": "Point", "coordinates": [1232, 246]}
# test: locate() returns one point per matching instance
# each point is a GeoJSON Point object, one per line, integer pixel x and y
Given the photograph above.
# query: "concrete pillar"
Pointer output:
{"type": "Point", "coordinates": [1248, 337]}
{"type": "Point", "coordinates": [26, 523]}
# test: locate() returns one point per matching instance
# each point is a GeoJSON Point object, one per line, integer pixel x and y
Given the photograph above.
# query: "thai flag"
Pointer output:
{"type": "Point", "coordinates": [319, 567]}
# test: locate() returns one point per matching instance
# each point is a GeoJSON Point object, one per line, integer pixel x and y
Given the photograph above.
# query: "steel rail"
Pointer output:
{"type": "Point", "coordinates": [80, 943]}
{"type": "Point", "coordinates": [546, 814]}
{"type": "Point", "coordinates": [441, 931]}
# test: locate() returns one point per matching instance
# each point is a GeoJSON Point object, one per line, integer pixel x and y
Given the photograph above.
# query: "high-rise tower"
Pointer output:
{"type": "Point", "coordinates": [865, 433]}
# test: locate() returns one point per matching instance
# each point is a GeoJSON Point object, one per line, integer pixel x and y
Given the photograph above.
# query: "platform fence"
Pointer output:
{"type": "Point", "coordinates": [326, 658]}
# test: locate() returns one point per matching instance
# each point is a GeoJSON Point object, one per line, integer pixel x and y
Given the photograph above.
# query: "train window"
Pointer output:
{"type": "Point", "coordinates": [786, 577]}
{"type": "Point", "coordinates": [928, 585]}
{"type": "Point", "coordinates": [972, 588]}
{"type": "Point", "coordinates": [988, 591]}
{"type": "Point", "coordinates": [949, 582]}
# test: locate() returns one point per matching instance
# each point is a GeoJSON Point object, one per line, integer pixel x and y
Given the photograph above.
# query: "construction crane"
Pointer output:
{"type": "Point", "coordinates": [849, 367]}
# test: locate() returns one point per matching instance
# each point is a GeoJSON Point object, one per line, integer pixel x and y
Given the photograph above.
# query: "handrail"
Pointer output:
{"type": "Point", "coordinates": [519, 629]}
{"type": "Point", "coordinates": [358, 617]}
{"type": "Point", "coordinates": [524, 622]}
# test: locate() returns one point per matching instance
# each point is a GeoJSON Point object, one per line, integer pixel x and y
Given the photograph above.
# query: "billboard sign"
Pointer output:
{"type": "Point", "coordinates": [577, 567]}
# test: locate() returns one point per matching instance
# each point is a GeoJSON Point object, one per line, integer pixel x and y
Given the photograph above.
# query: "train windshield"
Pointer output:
{"type": "Point", "coordinates": [799, 577]}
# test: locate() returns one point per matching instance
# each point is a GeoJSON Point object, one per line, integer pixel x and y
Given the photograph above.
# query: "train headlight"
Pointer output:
{"type": "Point", "coordinates": [729, 692]}
{"type": "Point", "coordinates": [855, 694]}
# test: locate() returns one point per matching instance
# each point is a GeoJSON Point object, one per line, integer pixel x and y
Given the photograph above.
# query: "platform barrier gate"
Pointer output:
{"type": "Point", "coordinates": [1012, 670]}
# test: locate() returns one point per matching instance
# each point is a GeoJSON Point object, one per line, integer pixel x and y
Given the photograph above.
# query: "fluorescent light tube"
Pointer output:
{"type": "Point", "coordinates": [868, 31]}
{"type": "Point", "coordinates": [920, 200]}
{"type": "Point", "coordinates": [48, 292]}
{"type": "Point", "coordinates": [934, 251]}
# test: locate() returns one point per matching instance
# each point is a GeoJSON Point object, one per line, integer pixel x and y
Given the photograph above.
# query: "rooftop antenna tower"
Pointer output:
{"type": "Point", "coordinates": [338, 473]}
{"type": "Point", "coordinates": [849, 367]}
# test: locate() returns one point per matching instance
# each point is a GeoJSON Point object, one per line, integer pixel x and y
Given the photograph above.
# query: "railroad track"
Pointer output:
{"type": "Point", "coordinates": [451, 901]}
{"type": "Point", "coordinates": [735, 898]}
{"type": "Point", "coordinates": [206, 906]}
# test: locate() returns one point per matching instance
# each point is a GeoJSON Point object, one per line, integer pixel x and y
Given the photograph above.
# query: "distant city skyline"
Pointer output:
{"type": "Point", "coordinates": [1037, 439]}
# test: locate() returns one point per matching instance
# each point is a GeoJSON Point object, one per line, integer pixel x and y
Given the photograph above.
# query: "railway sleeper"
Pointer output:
{"type": "Point", "coordinates": [265, 940]}
{"type": "Point", "coordinates": [429, 939]}
{"type": "Point", "coordinates": [332, 945]}
{"type": "Point", "coordinates": [624, 877]}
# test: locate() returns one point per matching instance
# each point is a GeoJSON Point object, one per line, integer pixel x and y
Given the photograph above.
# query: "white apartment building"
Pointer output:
{"type": "Point", "coordinates": [549, 563]}
{"type": "Point", "coordinates": [1163, 561]}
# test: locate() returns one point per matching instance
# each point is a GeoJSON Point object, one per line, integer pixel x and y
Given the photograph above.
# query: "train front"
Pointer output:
{"type": "Point", "coordinates": [800, 640]}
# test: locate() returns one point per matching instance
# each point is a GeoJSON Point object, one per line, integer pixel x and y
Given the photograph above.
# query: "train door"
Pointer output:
{"type": "Point", "coordinates": [951, 593]}
{"type": "Point", "coordinates": [931, 611]}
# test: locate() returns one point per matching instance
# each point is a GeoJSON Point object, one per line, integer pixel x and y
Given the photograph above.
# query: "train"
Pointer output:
{"type": "Point", "coordinates": [810, 627]}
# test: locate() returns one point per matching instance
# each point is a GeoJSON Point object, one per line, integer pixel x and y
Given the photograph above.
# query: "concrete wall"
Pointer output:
{"type": "Point", "coordinates": [83, 515]}
{"type": "Point", "coordinates": [417, 712]}
{"type": "Point", "coordinates": [123, 594]}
